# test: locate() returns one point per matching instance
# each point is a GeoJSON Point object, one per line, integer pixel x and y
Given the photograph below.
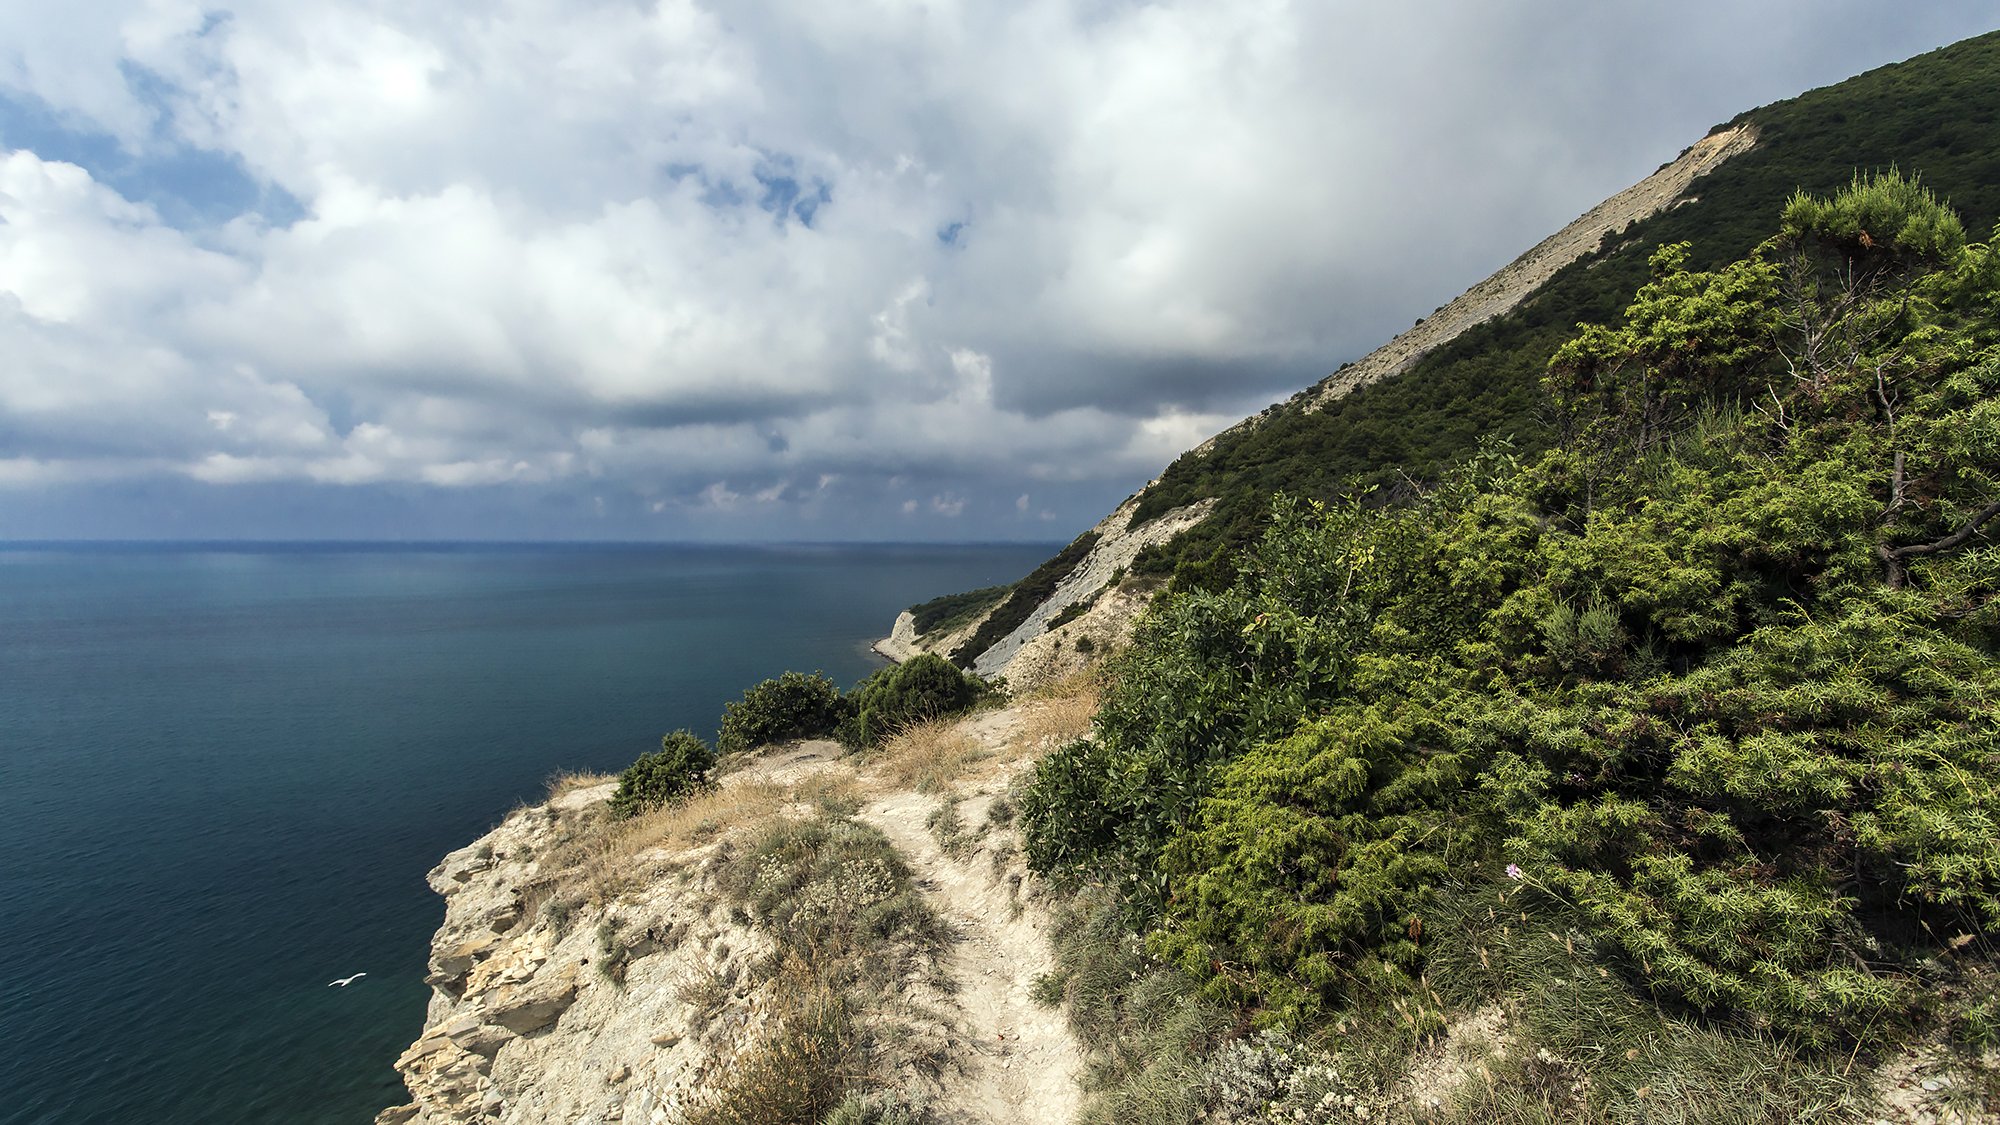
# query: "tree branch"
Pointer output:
{"type": "Point", "coordinates": [1950, 542]}
{"type": "Point", "coordinates": [1896, 496]}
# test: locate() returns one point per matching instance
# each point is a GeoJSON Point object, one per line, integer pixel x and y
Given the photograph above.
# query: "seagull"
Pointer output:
{"type": "Point", "coordinates": [345, 981]}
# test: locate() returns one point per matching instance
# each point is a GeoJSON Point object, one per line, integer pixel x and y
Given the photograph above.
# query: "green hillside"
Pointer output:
{"type": "Point", "coordinates": [1936, 116]}
{"type": "Point", "coordinates": [1672, 748]}
{"type": "Point", "coordinates": [1598, 724]}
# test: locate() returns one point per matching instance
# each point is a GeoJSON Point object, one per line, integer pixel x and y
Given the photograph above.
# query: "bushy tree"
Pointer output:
{"type": "Point", "coordinates": [1881, 217]}
{"type": "Point", "coordinates": [1688, 337]}
{"type": "Point", "coordinates": [793, 706]}
{"type": "Point", "coordinates": [926, 686]}
{"type": "Point", "coordinates": [1724, 702]}
{"type": "Point", "coordinates": [679, 767]}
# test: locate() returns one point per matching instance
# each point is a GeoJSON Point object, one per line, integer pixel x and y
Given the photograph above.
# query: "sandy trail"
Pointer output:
{"type": "Point", "coordinates": [1018, 1063]}
{"type": "Point", "coordinates": [1021, 1062]}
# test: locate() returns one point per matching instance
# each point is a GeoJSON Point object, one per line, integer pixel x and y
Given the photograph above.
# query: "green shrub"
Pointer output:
{"type": "Point", "coordinates": [679, 767]}
{"type": "Point", "coordinates": [1067, 818]}
{"type": "Point", "coordinates": [924, 687]}
{"type": "Point", "coordinates": [954, 611]}
{"type": "Point", "coordinates": [1726, 698]}
{"type": "Point", "coordinates": [792, 706]}
{"type": "Point", "coordinates": [1880, 215]}
{"type": "Point", "coordinates": [1310, 861]}
{"type": "Point", "coordinates": [1074, 610]}
{"type": "Point", "coordinates": [1207, 676]}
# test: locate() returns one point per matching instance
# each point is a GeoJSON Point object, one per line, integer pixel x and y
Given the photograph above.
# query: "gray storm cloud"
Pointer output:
{"type": "Point", "coordinates": [797, 269]}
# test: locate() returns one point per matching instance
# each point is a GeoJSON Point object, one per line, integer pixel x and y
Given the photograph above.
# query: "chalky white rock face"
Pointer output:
{"type": "Point", "coordinates": [1034, 653]}
{"type": "Point", "coordinates": [903, 641]}
{"type": "Point", "coordinates": [633, 1007]}
{"type": "Point", "coordinates": [1117, 545]}
{"type": "Point", "coordinates": [532, 1020]}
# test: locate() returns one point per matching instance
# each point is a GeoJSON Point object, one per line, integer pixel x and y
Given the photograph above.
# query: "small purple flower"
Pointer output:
{"type": "Point", "coordinates": [1514, 872]}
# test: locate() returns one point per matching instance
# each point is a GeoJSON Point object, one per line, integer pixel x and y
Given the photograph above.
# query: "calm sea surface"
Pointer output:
{"type": "Point", "coordinates": [225, 770]}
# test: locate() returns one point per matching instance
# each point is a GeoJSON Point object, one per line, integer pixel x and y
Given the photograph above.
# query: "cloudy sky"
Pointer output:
{"type": "Point", "coordinates": [881, 269]}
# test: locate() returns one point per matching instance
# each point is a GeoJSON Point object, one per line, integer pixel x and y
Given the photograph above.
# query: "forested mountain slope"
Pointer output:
{"type": "Point", "coordinates": [1425, 402]}
{"type": "Point", "coordinates": [1663, 760]}
{"type": "Point", "coordinates": [1580, 723]}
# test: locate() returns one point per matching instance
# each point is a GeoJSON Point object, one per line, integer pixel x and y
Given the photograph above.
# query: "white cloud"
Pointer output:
{"type": "Point", "coordinates": [722, 263]}
{"type": "Point", "coordinates": [74, 252]}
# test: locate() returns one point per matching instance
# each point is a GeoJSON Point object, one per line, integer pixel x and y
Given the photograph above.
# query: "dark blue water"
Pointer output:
{"type": "Point", "coordinates": [224, 772]}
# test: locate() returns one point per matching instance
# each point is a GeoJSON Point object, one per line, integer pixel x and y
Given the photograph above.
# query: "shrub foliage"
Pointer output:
{"type": "Point", "coordinates": [926, 686]}
{"type": "Point", "coordinates": [1714, 676]}
{"type": "Point", "coordinates": [954, 611]}
{"type": "Point", "coordinates": [679, 767]}
{"type": "Point", "coordinates": [795, 705]}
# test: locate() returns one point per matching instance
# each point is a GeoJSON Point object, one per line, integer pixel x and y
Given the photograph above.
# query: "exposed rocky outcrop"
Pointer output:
{"type": "Point", "coordinates": [1062, 650]}
{"type": "Point", "coordinates": [1091, 603]}
{"type": "Point", "coordinates": [1111, 555]}
{"type": "Point", "coordinates": [904, 642]}
{"type": "Point", "coordinates": [543, 1010]}
{"type": "Point", "coordinates": [569, 989]}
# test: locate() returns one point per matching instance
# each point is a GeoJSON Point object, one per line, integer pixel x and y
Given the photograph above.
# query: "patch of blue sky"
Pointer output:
{"type": "Point", "coordinates": [789, 199]}
{"type": "Point", "coordinates": [191, 188]}
{"type": "Point", "coordinates": [781, 193]}
{"type": "Point", "coordinates": [784, 196]}
{"type": "Point", "coordinates": [950, 233]}
{"type": "Point", "coordinates": [717, 194]}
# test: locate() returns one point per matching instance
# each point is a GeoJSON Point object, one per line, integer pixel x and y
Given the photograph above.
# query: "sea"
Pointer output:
{"type": "Point", "coordinates": [225, 770]}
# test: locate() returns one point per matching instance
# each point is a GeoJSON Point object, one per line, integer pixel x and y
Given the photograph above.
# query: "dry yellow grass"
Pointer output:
{"type": "Point", "coordinates": [829, 791]}
{"type": "Point", "coordinates": [595, 857]}
{"type": "Point", "coordinates": [685, 824]}
{"type": "Point", "coordinates": [932, 756]}
{"type": "Point", "coordinates": [928, 756]}
{"type": "Point", "coordinates": [564, 782]}
{"type": "Point", "coordinates": [1060, 712]}
{"type": "Point", "coordinates": [800, 1062]}
{"type": "Point", "coordinates": [600, 857]}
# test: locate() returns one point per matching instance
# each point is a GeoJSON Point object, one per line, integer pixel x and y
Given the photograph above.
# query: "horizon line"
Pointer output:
{"type": "Point", "coordinates": [6, 543]}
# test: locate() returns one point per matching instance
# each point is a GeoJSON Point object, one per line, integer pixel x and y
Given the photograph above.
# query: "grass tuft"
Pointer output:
{"type": "Point", "coordinates": [1060, 712]}
{"type": "Point", "coordinates": [797, 1073]}
{"type": "Point", "coordinates": [929, 756]}
{"type": "Point", "coordinates": [849, 926]}
{"type": "Point", "coordinates": [564, 782]}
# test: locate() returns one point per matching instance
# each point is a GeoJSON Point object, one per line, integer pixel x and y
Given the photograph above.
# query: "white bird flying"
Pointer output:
{"type": "Point", "coordinates": [345, 981]}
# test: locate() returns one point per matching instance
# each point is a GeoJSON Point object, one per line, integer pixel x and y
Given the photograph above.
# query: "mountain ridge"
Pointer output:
{"type": "Point", "coordinates": [1470, 372]}
{"type": "Point", "coordinates": [1119, 538]}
